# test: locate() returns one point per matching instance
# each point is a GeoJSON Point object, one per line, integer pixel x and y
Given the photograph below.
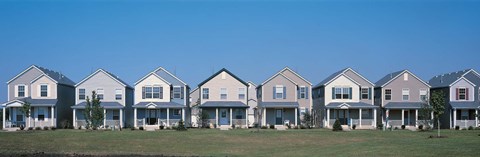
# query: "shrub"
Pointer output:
{"type": "Point", "coordinates": [79, 127]}
{"type": "Point", "coordinates": [264, 127]}
{"type": "Point", "coordinates": [181, 126]}
{"type": "Point", "coordinates": [255, 125]}
{"type": "Point", "coordinates": [420, 127]}
{"type": "Point", "coordinates": [132, 128]}
{"type": "Point", "coordinates": [289, 127]}
{"type": "Point", "coordinates": [403, 127]}
{"type": "Point", "coordinates": [30, 128]}
{"type": "Point", "coordinates": [162, 127]}
{"type": "Point", "coordinates": [233, 126]}
{"type": "Point", "coordinates": [38, 128]}
{"type": "Point", "coordinates": [337, 126]}
{"type": "Point", "coordinates": [45, 128]}
{"type": "Point", "coordinates": [457, 127]}
{"type": "Point", "coordinates": [302, 127]}
{"type": "Point", "coordinates": [470, 128]}
{"type": "Point", "coordinates": [272, 126]}
{"type": "Point", "coordinates": [22, 127]}
{"type": "Point", "coordinates": [354, 126]}
{"type": "Point", "coordinates": [53, 128]}
{"type": "Point", "coordinates": [140, 128]}
{"type": "Point", "coordinates": [396, 128]}
{"type": "Point", "coordinates": [380, 126]}
{"type": "Point", "coordinates": [65, 124]}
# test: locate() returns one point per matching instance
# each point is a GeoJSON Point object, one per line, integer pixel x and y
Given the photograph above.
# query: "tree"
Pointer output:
{"type": "Point", "coordinates": [93, 112]}
{"type": "Point", "coordinates": [425, 113]}
{"type": "Point", "coordinates": [26, 110]}
{"type": "Point", "coordinates": [307, 119]}
{"type": "Point", "coordinates": [337, 126]}
{"type": "Point", "coordinates": [203, 118]}
{"type": "Point", "coordinates": [259, 114]}
{"type": "Point", "coordinates": [181, 126]}
{"type": "Point", "coordinates": [438, 107]}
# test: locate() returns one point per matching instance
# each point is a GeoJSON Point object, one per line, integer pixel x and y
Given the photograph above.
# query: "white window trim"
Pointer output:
{"type": "Point", "coordinates": [385, 92]}
{"type": "Point", "coordinates": [304, 92]}
{"type": "Point", "coordinates": [179, 92]}
{"type": "Point", "coordinates": [465, 98]}
{"type": "Point", "coordinates": [84, 94]}
{"type": "Point", "coordinates": [103, 93]}
{"type": "Point", "coordinates": [226, 93]}
{"type": "Point", "coordinates": [420, 93]}
{"type": "Point", "coordinates": [407, 89]}
{"type": "Point", "coordinates": [361, 92]}
{"type": "Point", "coordinates": [25, 93]}
{"type": "Point", "coordinates": [121, 94]}
{"type": "Point", "coordinates": [203, 92]}
{"type": "Point", "coordinates": [242, 92]}
{"type": "Point", "coordinates": [278, 92]}
{"type": "Point", "coordinates": [40, 90]}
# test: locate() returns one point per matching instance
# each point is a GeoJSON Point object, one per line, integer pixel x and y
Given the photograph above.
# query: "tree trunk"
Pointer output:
{"type": "Point", "coordinates": [438, 127]}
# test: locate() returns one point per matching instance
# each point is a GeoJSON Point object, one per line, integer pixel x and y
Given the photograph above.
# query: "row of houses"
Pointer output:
{"type": "Point", "coordinates": [162, 99]}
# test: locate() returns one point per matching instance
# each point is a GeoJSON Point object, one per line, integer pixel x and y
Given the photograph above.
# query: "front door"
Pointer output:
{"type": "Point", "coordinates": [278, 117]}
{"type": "Point", "coordinates": [224, 117]}
{"type": "Point", "coordinates": [151, 117]}
{"type": "Point", "coordinates": [406, 117]}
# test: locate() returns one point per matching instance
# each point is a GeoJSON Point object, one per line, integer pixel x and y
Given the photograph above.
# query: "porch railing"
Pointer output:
{"type": "Point", "coordinates": [42, 123]}
{"type": "Point", "coordinates": [239, 122]}
{"type": "Point", "coordinates": [10, 124]}
{"type": "Point", "coordinates": [111, 123]}
{"type": "Point", "coordinates": [140, 122]}
{"type": "Point", "coordinates": [82, 123]}
{"type": "Point", "coordinates": [394, 122]}
{"type": "Point", "coordinates": [465, 123]}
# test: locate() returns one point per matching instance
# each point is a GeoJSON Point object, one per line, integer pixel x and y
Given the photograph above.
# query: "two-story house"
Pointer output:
{"type": "Point", "coordinates": [462, 94]}
{"type": "Point", "coordinates": [347, 96]}
{"type": "Point", "coordinates": [224, 97]}
{"type": "Point", "coordinates": [402, 94]}
{"type": "Point", "coordinates": [115, 95]}
{"type": "Point", "coordinates": [161, 99]}
{"type": "Point", "coordinates": [252, 104]}
{"type": "Point", "coordinates": [49, 93]}
{"type": "Point", "coordinates": [283, 98]}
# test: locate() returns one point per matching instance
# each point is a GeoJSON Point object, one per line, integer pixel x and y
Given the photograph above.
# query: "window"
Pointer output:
{"type": "Point", "coordinates": [238, 114]}
{"type": "Point", "coordinates": [346, 93]}
{"type": "Point", "coordinates": [278, 92]}
{"type": "Point", "coordinates": [157, 92]}
{"type": "Point", "coordinates": [464, 115]}
{"type": "Point", "coordinates": [41, 114]}
{"type": "Point", "coordinates": [43, 90]}
{"type": "Point", "coordinates": [223, 93]}
{"type": "Point", "coordinates": [177, 93]}
{"type": "Point", "coordinates": [405, 76]}
{"type": "Point", "coordinates": [423, 95]}
{"type": "Point", "coordinates": [205, 92]}
{"type": "Point", "coordinates": [100, 93]}
{"type": "Point", "coordinates": [81, 94]}
{"type": "Point", "coordinates": [388, 94]}
{"type": "Point", "coordinates": [21, 91]}
{"type": "Point", "coordinates": [365, 113]}
{"type": "Point", "coordinates": [118, 94]}
{"type": "Point", "coordinates": [342, 93]}
{"type": "Point", "coordinates": [241, 93]}
{"type": "Point", "coordinates": [116, 115]}
{"type": "Point", "coordinates": [338, 93]}
{"type": "Point", "coordinates": [405, 94]}
{"type": "Point", "coordinates": [303, 92]}
{"type": "Point", "coordinates": [177, 112]}
{"type": "Point", "coordinates": [462, 94]}
{"type": "Point", "coordinates": [365, 93]}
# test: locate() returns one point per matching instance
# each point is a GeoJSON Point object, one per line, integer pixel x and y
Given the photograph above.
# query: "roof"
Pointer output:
{"type": "Point", "coordinates": [220, 71]}
{"type": "Point", "coordinates": [445, 80]}
{"type": "Point", "coordinates": [465, 105]}
{"type": "Point", "coordinates": [55, 76]}
{"type": "Point", "coordinates": [154, 74]}
{"type": "Point", "coordinates": [106, 105]}
{"type": "Point", "coordinates": [223, 104]}
{"type": "Point", "coordinates": [34, 102]}
{"type": "Point", "coordinates": [164, 75]}
{"type": "Point", "coordinates": [250, 82]}
{"type": "Point", "coordinates": [281, 73]}
{"type": "Point", "coordinates": [392, 76]}
{"type": "Point", "coordinates": [404, 105]}
{"type": "Point", "coordinates": [158, 105]}
{"type": "Point", "coordinates": [338, 74]}
{"type": "Point", "coordinates": [341, 105]}
{"type": "Point", "coordinates": [111, 75]}
{"type": "Point", "coordinates": [279, 104]}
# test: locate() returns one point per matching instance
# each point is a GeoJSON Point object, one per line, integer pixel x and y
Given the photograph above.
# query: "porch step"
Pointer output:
{"type": "Point", "coordinates": [11, 129]}
{"type": "Point", "coordinates": [280, 127]}
{"type": "Point", "coordinates": [150, 128]}
{"type": "Point", "coordinates": [224, 127]}
{"type": "Point", "coordinates": [346, 128]}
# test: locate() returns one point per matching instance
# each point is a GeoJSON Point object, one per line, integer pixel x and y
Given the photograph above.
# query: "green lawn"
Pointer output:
{"type": "Point", "coordinates": [315, 142]}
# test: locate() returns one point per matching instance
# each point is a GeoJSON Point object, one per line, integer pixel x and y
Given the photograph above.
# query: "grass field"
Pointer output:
{"type": "Point", "coordinates": [314, 142]}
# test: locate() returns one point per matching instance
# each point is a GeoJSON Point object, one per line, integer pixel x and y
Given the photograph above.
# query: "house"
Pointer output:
{"type": "Point", "coordinates": [402, 95]}
{"type": "Point", "coordinates": [347, 96]}
{"type": "Point", "coordinates": [49, 93]}
{"type": "Point", "coordinates": [161, 99]}
{"type": "Point", "coordinates": [283, 98]}
{"type": "Point", "coordinates": [462, 93]}
{"type": "Point", "coordinates": [115, 95]}
{"type": "Point", "coordinates": [252, 104]}
{"type": "Point", "coordinates": [224, 97]}
{"type": "Point", "coordinates": [194, 107]}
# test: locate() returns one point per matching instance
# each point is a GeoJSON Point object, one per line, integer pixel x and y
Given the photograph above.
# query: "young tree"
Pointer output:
{"type": "Point", "coordinates": [438, 107]}
{"type": "Point", "coordinates": [337, 126]}
{"type": "Point", "coordinates": [259, 114]}
{"type": "Point", "coordinates": [181, 126]}
{"type": "Point", "coordinates": [93, 112]}
{"type": "Point", "coordinates": [26, 110]}
{"type": "Point", "coordinates": [425, 113]}
{"type": "Point", "coordinates": [203, 118]}
{"type": "Point", "coordinates": [307, 119]}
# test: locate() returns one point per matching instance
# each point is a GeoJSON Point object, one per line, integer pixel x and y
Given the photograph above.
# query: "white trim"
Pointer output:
{"type": "Point", "coordinates": [24, 71]}
{"type": "Point", "coordinates": [405, 71]}
{"type": "Point", "coordinates": [35, 79]}
{"type": "Point", "coordinates": [161, 68]}
{"type": "Point", "coordinates": [420, 93]}
{"type": "Point", "coordinates": [103, 71]}
{"type": "Point", "coordinates": [461, 79]}
{"type": "Point", "coordinates": [406, 89]}
{"type": "Point", "coordinates": [286, 68]}
{"type": "Point", "coordinates": [471, 70]}
{"type": "Point", "coordinates": [385, 96]}
{"type": "Point", "coordinates": [149, 74]}
{"type": "Point", "coordinates": [278, 73]}
{"type": "Point", "coordinates": [343, 73]}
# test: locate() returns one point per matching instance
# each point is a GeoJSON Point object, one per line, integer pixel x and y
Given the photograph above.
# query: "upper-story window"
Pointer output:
{"type": "Point", "coordinates": [365, 93]}
{"type": "Point", "coordinates": [81, 94]}
{"type": "Point", "coordinates": [21, 90]}
{"type": "Point", "coordinates": [177, 92]}
{"type": "Point", "coordinates": [405, 76]}
{"type": "Point", "coordinates": [100, 93]}
{"type": "Point", "coordinates": [462, 94]}
{"type": "Point", "coordinates": [342, 93]}
{"type": "Point", "coordinates": [241, 93]}
{"type": "Point", "coordinates": [388, 94]}
{"type": "Point", "coordinates": [279, 93]}
{"type": "Point", "coordinates": [223, 93]}
{"type": "Point", "coordinates": [303, 92]}
{"type": "Point", "coordinates": [118, 94]}
{"type": "Point", "coordinates": [423, 94]}
{"type": "Point", "coordinates": [152, 92]}
{"type": "Point", "coordinates": [205, 93]}
{"type": "Point", "coordinates": [405, 94]}
{"type": "Point", "coordinates": [43, 90]}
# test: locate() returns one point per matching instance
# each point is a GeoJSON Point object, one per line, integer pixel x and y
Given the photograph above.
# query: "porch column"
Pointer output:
{"type": "Point", "coordinates": [387, 116]}
{"type": "Point", "coordinates": [52, 115]}
{"type": "Point", "coordinates": [105, 118]}
{"type": "Point", "coordinates": [328, 118]}
{"type": "Point", "coordinates": [374, 117]}
{"type": "Point", "coordinates": [264, 116]}
{"type": "Point", "coordinates": [216, 116]}
{"type": "Point", "coordinates": [30, 117]}
{"type": "Point", "coordinates": [246, 118]}
{"type": "Point", "coordinates": [476, 117]}
{"type": "Point", "coordinates": [135, 117]}
{"type": "Point", "coordinates": [74, 118]}
{"type": "Point", "coordinates": [3, 116]}
{"type": "Point", "coordinates": [168, 116]}
{"type": "Point", "coordinates": [121, 118]}
{"type": "Point", "coordinates": [403, 117]}
{"type": "Point", "coordinates": [416, 118]}
{"type": "Point", "coordinates": [360, 118]}
{"type": "Point", "coordinates": [454, 118]}
{"type": "Point", "coordinates": [296, 116]}
{"type": "Point", "coordinates": [183, 115]}
{"type": "Point", "coordinates": [231, 122]}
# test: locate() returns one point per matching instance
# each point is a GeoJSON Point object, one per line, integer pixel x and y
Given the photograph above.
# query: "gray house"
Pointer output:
{"type": "Point", "coordinates": [115, 95]}
{"type": "Point", "coordinates": [401, 94]}
{"type": "Point", "coordinates": [161, 99]}
{"type": "Point", "coordinates": [462, 94]}
{"type": "Point", "coordinates": [283, 98]}
{"type": "Point", "coordinates": [224, 97]}
{"type": "Point", "coordinates": [252, 104]}
{"type": "Point", "coordinates": [347, 96]}
{"type": "Point", "coordinates": [49, 93]}
{"type": "Point", "coordinates": [194, 107]}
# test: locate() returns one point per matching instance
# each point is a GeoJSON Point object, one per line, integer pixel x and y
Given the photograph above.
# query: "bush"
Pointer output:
{"type": "Point", "coordinates": [162, 127]}
{"type": "Point", "coordinates": [337, 126]}
{"type": "Point", "coordinates": [289, 127]}
{"type": "Point", "coordinates": [38, 128]}
{"type": "Point", "coordinates": [45, 128]}
{"type": "Point", "coordinates": [79, 127]}
{"type": "Point", "coordinates": [30, 128]}
{"type": "Point", "coordinates": [354, 126]}
{"type": "Point", "coordinates": [420, 127]}
{"type": "Point", "coordinates": [22, 127]}
{"type": "Point", "coordinates": [457, 127]}
{"type": "Point", "coordinates": [65, 124]}
{"type": "Point", "coordinates": [264, 127]}
{"type": "Point", "coordinates": [470, 128]}
{"type": "Point", "coordinates": [140, 128]}
{"type": "Point", "coordinates": [53, 128]}
{"type": "Point", "coordinates": [181, 126]}
{"type": "Point", "coordinates": [233, 126]}
{"type": "Point", "coordinates": [255, 125]}
{"type": "Point", "coordinates": [403, 127]}
{"type": "Point", "coordinates": [380, 126]}
{"type": "Point", "coordinates": [302, 127]}
{"type": "Point", "coordinates": [132, 128]}
{"type": "Point", "coordinates": [396, 128]}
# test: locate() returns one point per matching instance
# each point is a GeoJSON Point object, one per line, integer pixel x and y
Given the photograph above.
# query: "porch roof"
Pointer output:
{"type": "Point", "coordinates": [403, 105]}
{"type": "Point", "coordinates": [465, 105]}
{"type": "Point", "coordinates": [33, 102]}
{"type": "Point", "coordinates": [158, 105]}
{"type": "Point", "coordinates": [105, 105]}
{"type": "Point", "coordinates": [213, 104]}
{"type": "Point", "coordinates": [354, 105]}
{"type": "Point", "coordinates": [279, 104]}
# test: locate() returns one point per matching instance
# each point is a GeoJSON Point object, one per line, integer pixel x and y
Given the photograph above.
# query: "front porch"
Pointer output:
{"type": "Point", "coordinates": [408, 117]}
{"type": "Point", "coordinates": [227, 117]}
{"type": "Point", "coordinates": [41, 115]}
{"type": "Point", "coordinates": [113, 118]}
{"type": "Point", "coordinates": [361, 118]}
{"type": "Point", "coordinates": [465, 118]}
{"type": "Point", "coordinates": [155, 117]}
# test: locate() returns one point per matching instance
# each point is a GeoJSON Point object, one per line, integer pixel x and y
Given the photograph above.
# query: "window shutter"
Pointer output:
{"type": "Point", "coordinates": [361, 93]}
{"type": "Point", "coordinates": [369, 93]}
{"type": "Point", "coordinates": [306, 92]}
{"type": "Point", "coordinates": [284, 92]}
{"type": "Point", "coordinates": [182, 89]}
{"type": "Point", "coordinates": [143, 92]}
{"type": "Point", "coordinates": [171, 92]}
{"type": "Point", "coordinates": [298, 93]}
{"type": "Point", "coordinates": [274, 96]}
{"type": "Point", "coordinates": [466, 93]}
{"type": "Point", "coordinates": [333, 92]}
{"type": "Point", "coordinates": [161, 92]}
{"type": "Point", "coordinates": [15, 90]}
{"type": "Point", "coordinates": [350, 95]}
{"type": "Point", "coordinates": [456, 94]}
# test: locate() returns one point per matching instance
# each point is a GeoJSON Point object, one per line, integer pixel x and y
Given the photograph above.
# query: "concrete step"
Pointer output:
{"type": "Point", "coordinates": [224, 127]}
{"type": "Point", "coordinates": [150, 128]}
{"type": "Point", "coordinates": [280, 127]}
{"type": "Point", "coordinates": [346, 128]}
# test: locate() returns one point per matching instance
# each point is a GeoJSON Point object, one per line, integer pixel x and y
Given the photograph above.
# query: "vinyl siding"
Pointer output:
{"type": "Point", "coordinates": [229, 82]}
{"type": "Point", "coordinates": [152, 80]}
{"type": "Point", "coordinates": [464, 84]}
{"type": "Point", "coordinates": [101, 80]}
{"type": "Point", "coordinates": [25, 78]}
{"type": "Point", "coordinates": [398, 84]}
{"type": "Point", "coordinates": [52, 88]}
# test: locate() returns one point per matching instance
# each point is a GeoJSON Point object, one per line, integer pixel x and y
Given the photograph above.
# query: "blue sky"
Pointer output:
{"type": "Point", "coordinates": [253, 39]}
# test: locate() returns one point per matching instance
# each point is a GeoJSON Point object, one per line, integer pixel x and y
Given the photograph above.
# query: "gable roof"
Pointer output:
{"type": "Point", "coordinates": [287, 68]}
{"type": "Point", "coordinates": [462, 78]}
{"type": "Point", "coordinates": [250, 82]}
{"type": "Point", "coordinates": [114, 77]}
{"type": "Point", "coordinates": [154, 74]}
{"type": "Point", "coordinates": [281, 73]}
{"type": "Point", "coordinates": [220, 71]}
{"type": "Point", "coordinates": [55, 76]}
{"type": "Point", "coordinates": [165, 74]}
{"type": "Point", "coordinates": [445, 80]}
{"type": "Point", "coordinates": [337, 74]}
{"type": "Point", "coordinates": [392, 76]}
